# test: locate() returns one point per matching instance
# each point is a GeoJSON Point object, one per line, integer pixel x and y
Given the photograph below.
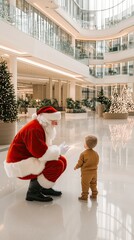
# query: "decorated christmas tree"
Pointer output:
{"type": "Point", "coordinates": [8, 103]}
{"type": "Point", "coordinates": [127, 97]}
{"type": "Point", "coordinates": [118, 104]}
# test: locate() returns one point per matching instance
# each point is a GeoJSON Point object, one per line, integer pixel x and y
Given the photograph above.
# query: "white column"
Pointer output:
{"type": "Point", "coordinates": [57, 93]}
{"type": "Point", "coordinates": [13, 71]}
{"type": "Point", "coordinates": [64, 93]}
{"type": "Point", "coordinates": [72, 89]}
{"type": "Point", "coordinates": [78, 93]}
{"type": "Point", "coordinates": [49, 89]}
{"type": "Point", "coordinates": [68, 89]}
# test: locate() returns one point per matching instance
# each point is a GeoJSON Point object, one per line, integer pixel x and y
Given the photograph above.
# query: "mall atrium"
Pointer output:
{"type": "Point", "coordinates": [72, 49]}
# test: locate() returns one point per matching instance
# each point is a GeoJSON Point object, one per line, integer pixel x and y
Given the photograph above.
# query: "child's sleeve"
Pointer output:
{"type": "Point", "coordinates": [80, 161]}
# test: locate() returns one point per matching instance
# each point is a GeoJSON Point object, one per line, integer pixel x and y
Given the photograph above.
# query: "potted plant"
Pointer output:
{"type": "Point", "coordinates": [74, 110]}
{"type": "Point", "coordinates": [32, 107]}
{"type": "Point", "coordinates": [45, 102]}
{"type": "Point", "coordinates": [8, 106]}
{"type": "Point", "coordinates": [69, 105]}
{"type": "Point", "coordinates": [22, 105]}
{"type": "Point", "coordinates": [104, 103]}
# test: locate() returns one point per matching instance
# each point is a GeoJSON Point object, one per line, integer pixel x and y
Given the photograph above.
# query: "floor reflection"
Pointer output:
{"type": "Point", "coordinates": [43, 224]}
{"type": "Point", "coordinates": [121, 133]}
{"type": "Point", "coordinates": [110, 218]}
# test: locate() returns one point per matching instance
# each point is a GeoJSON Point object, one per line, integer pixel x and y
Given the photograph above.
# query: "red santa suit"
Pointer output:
{"type": "Point", "coordinates": [31, 153]}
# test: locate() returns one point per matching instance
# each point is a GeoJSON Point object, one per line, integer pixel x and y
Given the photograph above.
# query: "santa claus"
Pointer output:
{"type": "Point", "coordinates": [31, 155]}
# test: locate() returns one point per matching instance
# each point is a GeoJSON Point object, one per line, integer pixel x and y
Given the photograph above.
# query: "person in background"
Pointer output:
{"type": "Point", "coordinates": [88, 162]}
{"type": "Point", "coordinates": [31, 155]}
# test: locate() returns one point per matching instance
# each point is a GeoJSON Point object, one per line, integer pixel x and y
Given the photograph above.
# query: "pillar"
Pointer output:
{"type": "Point", "coordinates": [57, 91]}
{"type": "Point", "coordinates": [78, 93]}
{"type": "Point", "coordinates": [72, 89]}
{"type": "Point", "coordinates": [64, 94]}
{"type": "Point", "coordinates": [49, 89]}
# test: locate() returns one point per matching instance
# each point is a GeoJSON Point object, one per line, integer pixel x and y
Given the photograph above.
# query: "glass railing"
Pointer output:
{"type": "Point", "coordinates": [29, 20]}
{"type": "Point", "coordinates": [122, 47]}
{"type": "Point", "coordinates": [98, 19]}
{"type": "Point", "coordinates": [126, 68]}
{"type": "Point", "coordinates": [32, 22]}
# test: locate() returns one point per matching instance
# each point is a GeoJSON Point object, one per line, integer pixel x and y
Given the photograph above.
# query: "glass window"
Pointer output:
{"type": "Point", "coordinates": [124, 42]}
{"type": "Point", "coordinates": [131, 68]}
{"type": "Point", "coordinates": [131, 40]}
{"type": "Point", "coordinates": [124, 68]}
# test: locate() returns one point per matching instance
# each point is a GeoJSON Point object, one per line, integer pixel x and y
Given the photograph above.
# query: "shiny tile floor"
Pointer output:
{"type": "Point", "coordinates": [111, 217]}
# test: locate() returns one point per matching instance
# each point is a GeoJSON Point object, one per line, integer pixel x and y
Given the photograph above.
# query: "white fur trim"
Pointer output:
{"type": "Point", "coordinates": [51, 116]}
{"type": "Point", "coordinates": [24, 167]}
{"type": "Point", "coordinates": [44, 182]}
{"type": "Point", "coordinates": [52, 153]}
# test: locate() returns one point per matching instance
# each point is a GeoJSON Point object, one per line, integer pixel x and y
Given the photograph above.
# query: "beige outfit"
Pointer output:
{"type": "Point", "coordinates": [88, 162]}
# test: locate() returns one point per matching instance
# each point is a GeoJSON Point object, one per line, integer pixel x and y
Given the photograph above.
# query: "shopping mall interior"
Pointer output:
{"type": "Point", "coordinates": [77, 53]}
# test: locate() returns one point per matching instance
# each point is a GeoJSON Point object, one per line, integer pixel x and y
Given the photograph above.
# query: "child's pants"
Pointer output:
{"type": "Point", "coordinates": [89, 180]}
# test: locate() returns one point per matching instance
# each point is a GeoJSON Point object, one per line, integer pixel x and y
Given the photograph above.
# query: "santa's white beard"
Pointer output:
{"type": "Point", "coordinates": [50, 130]}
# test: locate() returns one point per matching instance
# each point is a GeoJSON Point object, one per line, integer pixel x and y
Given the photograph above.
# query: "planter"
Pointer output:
{"type": "Point", "coordinates": [108, 115]}
{"type": "Point", "coordinates": [7, 132]}
{"type": "Point", "coordinates": [69, 110]}
{"type": "Point", "coordinates": [22, 110]}
{"type": "Point", "coordinates": [100, 110]}
{"type": "Point", "coordinates": [31, 111]}
{"type": "Point", "coordinates": [131, 113]}
{"type": "Point", "coordinates": [76, 115]}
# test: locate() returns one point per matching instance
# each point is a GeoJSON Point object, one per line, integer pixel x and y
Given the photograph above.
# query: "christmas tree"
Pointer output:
{"type": "Point", "coordinates": [118, 104]}
{"type": "Point", "coordinates": [8, 103]}
{"type": "Point", "coordinates": [127, 96]}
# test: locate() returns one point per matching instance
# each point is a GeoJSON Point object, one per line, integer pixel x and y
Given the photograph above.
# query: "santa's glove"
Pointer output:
{"type": "Point", "coordinates": [63, 148]}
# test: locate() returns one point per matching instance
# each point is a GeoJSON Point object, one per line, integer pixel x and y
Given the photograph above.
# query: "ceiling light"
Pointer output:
{"type": "Point", "coordinates": [47, 67]}
{"type": "Point", "coordinates": [11, 50]}
{"type": "Point", "coordinates": [81, 80]}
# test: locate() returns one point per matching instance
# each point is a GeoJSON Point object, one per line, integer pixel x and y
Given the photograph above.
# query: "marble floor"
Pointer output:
{"type": "Point", "coordinates": [111, 217]}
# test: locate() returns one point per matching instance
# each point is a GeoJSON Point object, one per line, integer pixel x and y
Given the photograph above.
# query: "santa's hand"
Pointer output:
{"type": "Point", "coordinates": [63, 148]}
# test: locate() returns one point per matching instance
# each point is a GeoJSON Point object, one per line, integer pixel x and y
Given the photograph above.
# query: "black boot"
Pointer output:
{"type": "Point", "coordinates": [50, 192]}
{"type": "Point", "coordinates": [34, 193]}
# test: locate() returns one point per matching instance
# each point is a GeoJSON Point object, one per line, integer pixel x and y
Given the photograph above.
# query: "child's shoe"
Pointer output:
{"type": "Point", "coordinates": [93, 197]}
{"type": "Point", "coordinates": [82, 198]}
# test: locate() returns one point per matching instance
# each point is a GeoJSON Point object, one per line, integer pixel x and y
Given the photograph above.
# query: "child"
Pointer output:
{"type": "Point", "coordinates": [88, 162]}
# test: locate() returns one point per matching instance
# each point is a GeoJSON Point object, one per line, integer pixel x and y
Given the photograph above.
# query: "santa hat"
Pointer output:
{"type": "Point", "coordinates": [49, 113]}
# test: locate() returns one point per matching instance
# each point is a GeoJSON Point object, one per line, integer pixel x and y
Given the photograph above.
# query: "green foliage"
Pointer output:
{"type": "Point", "coordinates": [104, 100]}
{"type": "Point", "coordinates": [70, 103]}
{"type": "Point", "coordinates": [8, 103]}
{"type": "Point", "coordinates": [93, 103]}
{"type": "Point", "coordinates": [85, 102]}
{"type": "Point", "coordinates": [55, 103]}
{"type": "Point", "coordinates": [45, 102]}
{"type": "Point", "coordinates": [48, 102]}
{"type": "Point", "coordinates": [22, 103]}
{"type": "Point", "coordinates": [75, 106]}
{"type": "Point", "coordinates": [32, 103]}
